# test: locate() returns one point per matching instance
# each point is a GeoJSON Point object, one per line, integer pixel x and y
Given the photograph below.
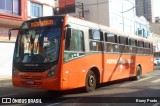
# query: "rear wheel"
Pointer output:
{"type": "Point", "coordinates": [90, 83]}
{"type": "Point", "coordinates": [138, 73]}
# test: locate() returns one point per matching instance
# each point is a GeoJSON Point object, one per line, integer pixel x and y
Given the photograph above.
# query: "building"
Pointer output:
{"type": "Point", "coordinates": [144, 8]}
{"type": "Point", "coordinates": [66, 7]}
{"type": "Point", "coordinates": [12, 14]}
{"type": "Point", "coordinates": [155, 28]}
{"type": "Point", "coordinates": [117, 14]}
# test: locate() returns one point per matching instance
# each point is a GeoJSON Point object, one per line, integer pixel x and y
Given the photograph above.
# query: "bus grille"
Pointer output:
{"type": "Point", "coordinates": [32, 77]}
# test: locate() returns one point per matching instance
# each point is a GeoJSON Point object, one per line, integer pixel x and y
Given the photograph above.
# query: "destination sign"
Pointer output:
{"type": "Point", "coordinates": [56, 21]}
{"type": "Point", "coordinates": [42, 23]}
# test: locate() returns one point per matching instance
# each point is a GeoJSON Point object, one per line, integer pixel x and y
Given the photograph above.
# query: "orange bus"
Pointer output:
{"type": "Point", "coordinates": [63, 52]}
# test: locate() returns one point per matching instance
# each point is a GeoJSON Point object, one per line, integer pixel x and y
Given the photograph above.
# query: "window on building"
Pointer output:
{"type": "Point", "coordinates": [10, 7]}
{"type": "Point", "coordinates": [36, 10]}
{"type": "Point", "coordinates": [16, 7]}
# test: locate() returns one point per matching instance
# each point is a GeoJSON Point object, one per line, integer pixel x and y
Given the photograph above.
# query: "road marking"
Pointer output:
{"type": "Point", "coordinates": [58, 103]}
{"type": "Point", "coordinates": [7, 95]}
{"type": "Point", "coordinates": [156, 104]}
{"type": "Point", "coordinates": [155, 81]}
{"type": "Point", "coordinates": [136, 81]}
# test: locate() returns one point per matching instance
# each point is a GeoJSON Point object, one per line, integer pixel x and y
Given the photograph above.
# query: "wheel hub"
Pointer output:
{"type": "Point", "coordinates": [91, 81]}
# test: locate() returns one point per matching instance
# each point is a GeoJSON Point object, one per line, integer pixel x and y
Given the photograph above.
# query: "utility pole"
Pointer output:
{"type": "Point", "coordinates": [122, 17]}
{"type": "Point", "coordinates": [81, 6]}
{"type": "Point", "coordinates": [82, 10]}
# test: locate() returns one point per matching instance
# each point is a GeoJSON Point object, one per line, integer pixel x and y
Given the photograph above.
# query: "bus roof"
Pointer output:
{"type": "Point", "coordinates": [103, 28]}
{"type": "Point", "coordinates": [93, 26]}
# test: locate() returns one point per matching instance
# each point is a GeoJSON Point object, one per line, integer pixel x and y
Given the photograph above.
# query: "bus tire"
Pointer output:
{"type": "Point", "coordinates": [138, 73]}
{"type": "Point", "coordinates": [90, 83]}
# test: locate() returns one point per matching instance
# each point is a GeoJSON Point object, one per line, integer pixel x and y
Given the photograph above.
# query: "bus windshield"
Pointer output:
{"type": "Point", "coordinates": [37, 45]}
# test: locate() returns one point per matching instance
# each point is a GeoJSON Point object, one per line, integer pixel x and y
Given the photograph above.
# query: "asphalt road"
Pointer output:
{"type": "Point", "coordinates": [122, 93]}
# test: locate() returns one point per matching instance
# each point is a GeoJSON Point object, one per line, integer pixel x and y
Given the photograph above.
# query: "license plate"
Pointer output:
{"type": "Point", "coordinates": [30, 82]}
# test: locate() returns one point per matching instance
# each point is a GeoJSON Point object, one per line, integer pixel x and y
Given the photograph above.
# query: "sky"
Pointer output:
{"type": "Point", "coordinates": [156, 8]}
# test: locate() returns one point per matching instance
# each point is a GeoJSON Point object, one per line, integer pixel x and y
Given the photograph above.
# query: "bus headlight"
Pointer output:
{"type": "Point", "coordinates": [14, 71]}
{"type": "Point", "coordinates": [51, 72]}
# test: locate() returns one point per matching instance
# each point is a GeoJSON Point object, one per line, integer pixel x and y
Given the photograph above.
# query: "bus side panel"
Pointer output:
{"type": "Point", "coordinates": [111, 67]}
{"type": "Point", "coordinates": [75, 71]}
{"type": "Point", "coordinates": [127, 67]}
{"type": "Point", "coordinates": [146, 63]}
{"type": "Point", "coordinates": [115, 70]}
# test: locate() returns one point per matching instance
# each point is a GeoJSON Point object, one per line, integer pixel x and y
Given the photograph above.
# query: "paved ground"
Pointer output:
{"type": "Point", "coordinates": [148, 86]}
{"type": "Point", "coordinates": [5, 77]}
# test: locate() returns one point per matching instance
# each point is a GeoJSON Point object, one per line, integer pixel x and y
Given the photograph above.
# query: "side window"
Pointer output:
{"type": "Point", "coordinates": [151, 49]}
{"type": "Point", "coordinates": [123, 40]}
{"type": "Point", "coordinates": [133, 44]}
{"type": "Point", "coordinates": [140, 44]}
{"type": "Point", "coordinates": [141, 49]}
{"type": "Point", "coordinates": [123, 44]}
{"type": "Point", "coordinates": [95, 35]}
{"type": "Point", "coordinates": [74, 44]}
{"type": "Point", "coordinates": [111, 43]}
{"type": "Point", "coordinates": [147, 48]}
{"type": "Point", "coordinates": [96, 39]}
{"type": "Point", "coordinates": [109, 37]}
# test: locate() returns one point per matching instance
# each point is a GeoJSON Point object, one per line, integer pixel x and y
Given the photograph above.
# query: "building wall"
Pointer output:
{"type": "Point", "coordinates": [63, 3]}
{"type": "Point", "coordinates": [6, 57]}
{"type": "Point", "coordinates": [155, 28]}
{"type": "Point", "coordinates": [95, 11]}
{"type": "Point", "coordinates": [156, 42]}
{"type": "Point", "coordinates": [10, 20]}
{"type": "Point", "coordinates": [152, 9]}
{"type": "Point", "coordinates": [47, 7]}
{"type": "Point", "coordinates": [45, 2]}
{"type": "Point", "coordinates": [65, 7]}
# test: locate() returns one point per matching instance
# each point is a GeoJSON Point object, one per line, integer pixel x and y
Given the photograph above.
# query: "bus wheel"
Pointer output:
{"type": "Point", "coordinates": [138, 73]}
{"type": "Point", "coordinates": [90, 83]}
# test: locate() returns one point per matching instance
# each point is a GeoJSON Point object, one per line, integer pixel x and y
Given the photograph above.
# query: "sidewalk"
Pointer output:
{"type": "Point", "coordinates": [5, 77]}
{"type": "Point", "coordinates": [6, 58]}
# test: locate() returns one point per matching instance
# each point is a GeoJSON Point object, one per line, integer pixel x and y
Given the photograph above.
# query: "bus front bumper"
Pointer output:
{"type": "Point", "coordinates": [47, 83]}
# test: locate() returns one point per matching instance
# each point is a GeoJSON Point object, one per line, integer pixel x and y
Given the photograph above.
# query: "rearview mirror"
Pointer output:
{"type": "Point", "coordinates": [67, 32]}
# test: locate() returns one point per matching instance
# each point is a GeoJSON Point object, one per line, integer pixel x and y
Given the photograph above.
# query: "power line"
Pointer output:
{"type": "Point", "coordinates": [97, 3]}
{"type": "Point", "coordinates": [71, 5]}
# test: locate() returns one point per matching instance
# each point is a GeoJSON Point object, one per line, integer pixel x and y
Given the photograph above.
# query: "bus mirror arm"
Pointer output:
{"type": "Point", "coordinates": [67, 26]}
{"type": "Point", "coordinates": [10, 34]}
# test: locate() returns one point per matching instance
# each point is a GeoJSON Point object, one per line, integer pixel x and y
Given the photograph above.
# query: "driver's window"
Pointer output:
{"type": "Point", "coordinates": [74, 44]}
